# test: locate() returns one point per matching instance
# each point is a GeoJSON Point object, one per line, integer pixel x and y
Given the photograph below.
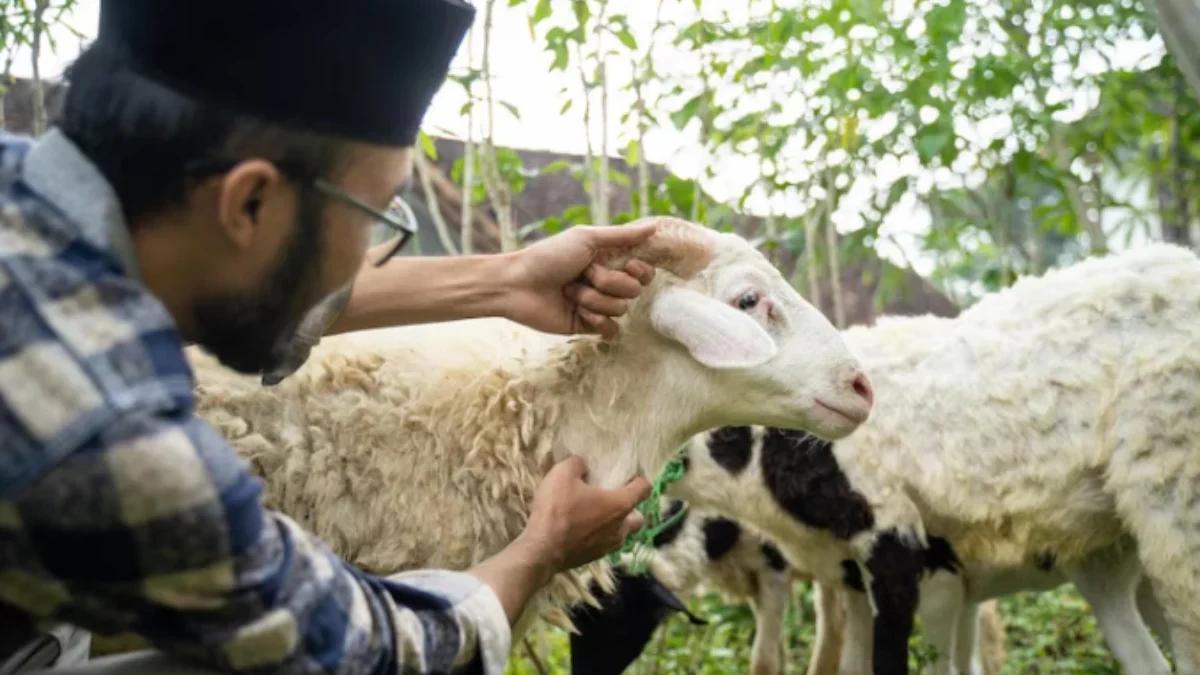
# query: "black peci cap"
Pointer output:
{"type": "Point", "coordinates": [360, 69]}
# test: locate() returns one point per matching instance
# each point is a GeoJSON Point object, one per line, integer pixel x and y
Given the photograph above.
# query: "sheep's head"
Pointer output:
{"type": "Point", "coordinates": [761, 353]}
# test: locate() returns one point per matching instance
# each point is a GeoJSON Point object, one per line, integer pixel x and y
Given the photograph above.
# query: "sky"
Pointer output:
{"type": "Point", "coordinates": [522, 77]}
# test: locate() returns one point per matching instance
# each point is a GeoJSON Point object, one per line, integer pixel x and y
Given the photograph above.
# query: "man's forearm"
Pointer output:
{"type": "Point", "coordinates": [514, 575]}
{"type": "Point", "coordinates": [426, 290]}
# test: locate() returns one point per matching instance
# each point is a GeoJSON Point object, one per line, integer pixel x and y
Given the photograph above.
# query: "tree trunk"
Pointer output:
{"type": "Point", "coordinates": [1097, 242]}
{"type": "Point", "coordinates": [602, 190]}
{"type": "Point", "coordinates": [466, 227]}
{"type": "Point", "coordinates": [810, 257]}
{"type": "Point", "coordinates": [431, 202]}
{"type": "Point", "coordinates": [497, 189]}
{"type": "Point", "coordinates": [831, 248]}
{"type": "Point", "coordinates": [39, 93]}
{"type": "Point", "coordinates": [590, 180]}
{"type": "Point", "coordinates": [643, 164]}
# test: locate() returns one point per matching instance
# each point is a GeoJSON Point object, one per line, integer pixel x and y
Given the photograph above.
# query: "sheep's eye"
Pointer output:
{"type": "Point", "coordinates": [747, 301]}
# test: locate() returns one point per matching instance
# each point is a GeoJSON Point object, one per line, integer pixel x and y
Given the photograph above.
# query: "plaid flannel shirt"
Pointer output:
{"type": "Point", "coordinates": [121, 510]}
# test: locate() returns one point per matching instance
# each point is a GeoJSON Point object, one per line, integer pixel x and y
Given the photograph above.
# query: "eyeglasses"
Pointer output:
{"type": "Point", "coordinates": [398, 217]}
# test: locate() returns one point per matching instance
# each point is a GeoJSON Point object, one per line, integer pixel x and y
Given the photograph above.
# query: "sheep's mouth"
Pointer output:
{"type": "Point", "coordinates": [856, 417]}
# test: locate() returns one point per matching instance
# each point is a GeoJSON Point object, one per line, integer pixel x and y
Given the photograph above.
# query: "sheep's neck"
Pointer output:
{"type": "Point", "coordinates": [628, 418]}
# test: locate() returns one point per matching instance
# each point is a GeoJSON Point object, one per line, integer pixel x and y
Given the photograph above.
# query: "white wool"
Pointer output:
{"type": "Point", "coordinates": [421, 446]}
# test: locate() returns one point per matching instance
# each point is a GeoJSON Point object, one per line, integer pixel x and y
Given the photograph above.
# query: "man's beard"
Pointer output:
{"type": "Point", "coordinates": [247, 331]}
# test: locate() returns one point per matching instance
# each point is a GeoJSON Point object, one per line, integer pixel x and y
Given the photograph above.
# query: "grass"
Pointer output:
{"type": "Point", "coordinates": [1052, 633]}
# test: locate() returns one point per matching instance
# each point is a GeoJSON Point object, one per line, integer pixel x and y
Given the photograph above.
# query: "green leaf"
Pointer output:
{"type": "Point", "coordinates": [561, 57]}
{"type": "Point", "coordinates": [931, 139]}
{"type": "Point", "coordinates": [631, 153]}
{"type": "Point", "coordinates": [681, 117]}
{"type": "Point", "coordinates": [553, 167]}
{"type": "Point", "coordinates": [627, 38]}
{"type": "Point", "coordinates": [428, 146]}
{"type": "Point", "coordinates": [511, 109]}
{"type": "Point", "coordinates": [541, 12]}
{"type": "Point", "coordinates": [566, 106]}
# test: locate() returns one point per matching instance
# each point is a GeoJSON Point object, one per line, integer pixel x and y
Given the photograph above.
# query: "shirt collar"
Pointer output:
{"type": "Point", "coordinates": [58, 171]}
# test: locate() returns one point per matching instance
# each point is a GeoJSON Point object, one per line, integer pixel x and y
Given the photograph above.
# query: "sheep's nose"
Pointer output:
{"type": "Point", "coordinates": [862, 386]}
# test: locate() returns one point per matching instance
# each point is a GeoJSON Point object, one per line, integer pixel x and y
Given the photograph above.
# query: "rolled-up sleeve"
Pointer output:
{"type": "Point", "coordinates": [156, 527]}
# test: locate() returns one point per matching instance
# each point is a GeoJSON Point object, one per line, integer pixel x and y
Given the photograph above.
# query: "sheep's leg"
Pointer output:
{"type": "Point", "coordinates": [831, 630]}
{"type": "Point", "coordinates": [769, 605]}
{"type": "Point", "coordinates": [1108, 581]}
{"type": "Point", "coordinates": [856, 650]}
{"type": "Point", "coordinates": [1153, 476]}
{"type": "Point", "coordinates": [942, 605]}
{"type": "Point", "coordinates": [988, 639]}
{"type": "Point", "coordinates": [1152, 611]}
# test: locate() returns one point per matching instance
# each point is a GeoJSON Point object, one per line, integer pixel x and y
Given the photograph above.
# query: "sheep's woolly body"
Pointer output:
{"type": "Point", "coordinates": [363, 439]}
{"type": "Point", "coordinates": [1020, 427]}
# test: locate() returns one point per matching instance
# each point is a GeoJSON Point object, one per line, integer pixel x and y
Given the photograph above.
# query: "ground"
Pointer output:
{"type": "Point", "coordinates": [1047, 634]}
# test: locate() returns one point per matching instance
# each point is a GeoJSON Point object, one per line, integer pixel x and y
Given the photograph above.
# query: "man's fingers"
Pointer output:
{"type": "Point", "coordinates": [595, 301]}
{"type": "Point", "coordinates": [621, 235]}
{"type": "Point", "coordinates": [575, 466]}
{"type": "Point", "coordinates": [632, 523]}
{"type": "Point", "coordinates": [616, 283]}
{"type": "Point", "coordinates": [640, 270]}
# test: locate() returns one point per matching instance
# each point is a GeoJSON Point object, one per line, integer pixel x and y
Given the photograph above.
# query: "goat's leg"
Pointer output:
{"type": "Point", "coordinates": [1108, 581]}
{"type": "Point", "coordinates": [942, 605]}
{"type": "Point", "coordinates": [769, 606]}
{"type": "Point", "coordinates": [856, 650]}
{"type": "Point", "coordinates": [831, 630]}
{"type": "Point", "coordinates": [895, 566]}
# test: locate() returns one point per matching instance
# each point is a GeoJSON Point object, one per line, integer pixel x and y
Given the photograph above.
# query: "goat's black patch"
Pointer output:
{"type": "Point", "coordinates": [670, 532]}
{"type": "Point", "coordinates": [730, 448]}
{"type": "Point", "coordinates": [852, 576]}
{"type": "Point", "coordinates": [774, 558]}
{"type": "Point", "coordinates": [804, 478]}
{"type": "Point", "coordinates": [612, 637]}
{"type": "Point", "coordinates": [941, 556]}
{"type": "Point", "coordinates": [896, 572]}
{"type": "Point", "coordinates": [720, 536]}
{"type": "Point", "coordinates": [1045, 561]}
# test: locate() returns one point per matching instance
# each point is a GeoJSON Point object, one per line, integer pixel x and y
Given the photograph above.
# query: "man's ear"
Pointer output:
{"type": "Point", "coordinates": [242, 196]}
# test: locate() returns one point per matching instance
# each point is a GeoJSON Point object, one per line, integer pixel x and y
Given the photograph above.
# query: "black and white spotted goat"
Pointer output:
{"type": "Point", "coordinates": [1048, 433]}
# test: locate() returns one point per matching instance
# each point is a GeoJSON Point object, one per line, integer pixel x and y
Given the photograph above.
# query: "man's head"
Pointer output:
{"type": "Point", "coordinates": [251, 158]}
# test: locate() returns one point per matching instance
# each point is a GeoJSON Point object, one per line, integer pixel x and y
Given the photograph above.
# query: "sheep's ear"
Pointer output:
{"type": "Point", "coordinates": [715, 334]}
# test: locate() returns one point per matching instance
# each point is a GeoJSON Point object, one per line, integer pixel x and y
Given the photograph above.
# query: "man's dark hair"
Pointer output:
{"type": "Point", "coordinates": [142, 134]}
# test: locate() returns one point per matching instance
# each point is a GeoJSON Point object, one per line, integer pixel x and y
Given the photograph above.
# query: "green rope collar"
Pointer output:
{"type": "Point", "coordinates": [640, 544]}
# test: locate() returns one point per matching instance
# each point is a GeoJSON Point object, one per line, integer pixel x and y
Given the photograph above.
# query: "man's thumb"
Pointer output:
{"type": "Point", "coordinates": [636, 491]}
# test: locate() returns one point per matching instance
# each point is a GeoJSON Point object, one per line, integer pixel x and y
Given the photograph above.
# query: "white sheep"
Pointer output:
{"type": "Point", "coordinates": [421, 446]}
{"type": "Point", "coordinates": [1053, 420]}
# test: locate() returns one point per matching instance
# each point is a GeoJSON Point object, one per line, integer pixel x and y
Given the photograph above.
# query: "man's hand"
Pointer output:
{"type": "Point", "coordinates": [556, 285]}
{"type": "Point", "coordinates": [572, 524]}
{"type": "Point", "coordinates": [576, 523]}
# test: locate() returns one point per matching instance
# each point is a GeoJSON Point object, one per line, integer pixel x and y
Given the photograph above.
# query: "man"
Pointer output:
{"type": "Point", "coordinates": [212, 177]}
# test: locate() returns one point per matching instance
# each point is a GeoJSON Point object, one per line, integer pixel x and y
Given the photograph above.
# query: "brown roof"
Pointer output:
{"type": "Point", "coordinates": [550, 195]}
